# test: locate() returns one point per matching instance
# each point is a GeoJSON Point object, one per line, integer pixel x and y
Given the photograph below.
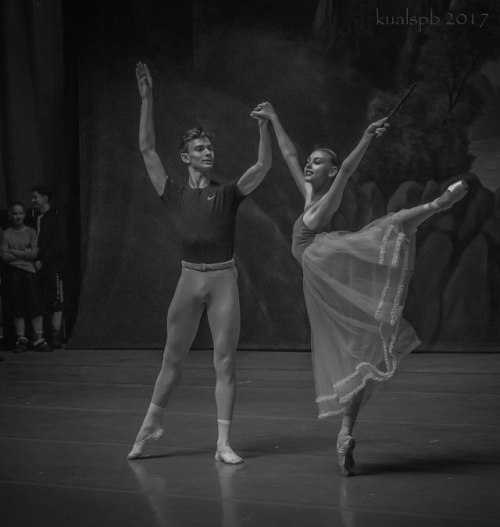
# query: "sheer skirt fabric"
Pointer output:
{"type": "Point", "coordinates": [355, 285]}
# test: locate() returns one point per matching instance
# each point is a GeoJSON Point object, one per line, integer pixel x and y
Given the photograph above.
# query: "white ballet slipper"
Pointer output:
{"type": "Point", "coordinates": [458, 190]}
{"type": "Point", "coordinates": [228, 457]}
{"type": "Point", "coordinates": [138, 447]}
{"type": "Point", "coordinates": [345, 448]}
{"type": "Point", "coordinates": [455, 192]}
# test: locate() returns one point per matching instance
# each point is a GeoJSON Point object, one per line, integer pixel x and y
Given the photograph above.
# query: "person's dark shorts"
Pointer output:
{"type": "Point", "coordinates": [22, 293]}
{"type": "Point", "coordinates": [52, 290]}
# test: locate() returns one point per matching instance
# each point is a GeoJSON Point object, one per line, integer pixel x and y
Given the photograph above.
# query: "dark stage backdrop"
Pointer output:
{"type": "Point", "coordinates": [328, 67]}
{"type": "Point", "coordinates": [131, 261]}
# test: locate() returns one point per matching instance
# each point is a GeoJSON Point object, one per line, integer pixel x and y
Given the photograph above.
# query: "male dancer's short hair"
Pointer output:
{"type": "Point", "coordinates": [43, 190]}
{"type": "Point", "coordinates": [191, 135]}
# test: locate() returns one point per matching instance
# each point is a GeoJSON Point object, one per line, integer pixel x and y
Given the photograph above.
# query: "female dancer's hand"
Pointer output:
{"type": "Point", "coordinates": [377, 128]}
{"type": "Point", "coordinates": [264, 110]}
{"type": "Point", "coordinates": [144, 80]}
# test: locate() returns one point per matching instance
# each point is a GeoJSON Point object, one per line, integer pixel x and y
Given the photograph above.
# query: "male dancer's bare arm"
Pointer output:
{"type": "Point", "coordinates": [323, 210]}
{"type": "Point", "coordinates": [254, 176]}
{"type": "Point", "coordinates": [265, 110]}
{"type": "Point", "coordinates": [147, 138]}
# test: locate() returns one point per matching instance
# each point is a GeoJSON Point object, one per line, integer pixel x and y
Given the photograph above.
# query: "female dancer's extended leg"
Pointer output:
{"type": "Point", "coordinates": [410, 220]}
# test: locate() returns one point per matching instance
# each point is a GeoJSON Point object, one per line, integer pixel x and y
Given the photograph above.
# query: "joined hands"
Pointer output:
{"type": "Point", "coordinates": [264, 110]}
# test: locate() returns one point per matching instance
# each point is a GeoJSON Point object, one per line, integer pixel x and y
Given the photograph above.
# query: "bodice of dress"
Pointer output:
{"type": "Point", "coordinates": [302, 237]}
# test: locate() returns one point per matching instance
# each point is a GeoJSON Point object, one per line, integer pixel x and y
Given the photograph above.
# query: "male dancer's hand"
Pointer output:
{"type": "Point", "coordinates": [144, 80]}
{"type": "Point", "coordinates": [264, 110]}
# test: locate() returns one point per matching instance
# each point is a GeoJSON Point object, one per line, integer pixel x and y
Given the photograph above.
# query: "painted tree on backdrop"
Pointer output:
{"type": "Point", "coordinates": [428, 144]}
{"type": "Point", "coordinates": [430, 135]}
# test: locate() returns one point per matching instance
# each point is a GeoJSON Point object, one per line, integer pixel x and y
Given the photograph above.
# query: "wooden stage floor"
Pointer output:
{"type": "Point", "coordinates": [427, 445]}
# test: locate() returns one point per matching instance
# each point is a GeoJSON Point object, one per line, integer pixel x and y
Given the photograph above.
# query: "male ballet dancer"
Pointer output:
{"type": "Point", "coordinates": [204, 214]}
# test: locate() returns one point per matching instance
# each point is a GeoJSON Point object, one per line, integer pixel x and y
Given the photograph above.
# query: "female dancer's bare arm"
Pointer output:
{"type": "Point", "coordinates": [322, 211]}
{"type": "Point", "coordinates": [265, 110]}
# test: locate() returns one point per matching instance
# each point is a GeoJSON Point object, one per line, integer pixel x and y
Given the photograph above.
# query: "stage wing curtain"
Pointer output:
{"type": "Point", "coordinates": [38, 134]}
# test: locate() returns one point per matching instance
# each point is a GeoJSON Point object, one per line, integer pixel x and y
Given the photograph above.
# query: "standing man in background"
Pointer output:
{"type": "Point", "coordinates": [50, 261]}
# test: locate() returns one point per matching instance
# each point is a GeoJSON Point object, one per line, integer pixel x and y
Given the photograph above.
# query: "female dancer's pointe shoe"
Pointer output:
{"type": "Point", "coordinates": [139, 446]}
{"type": "Point", "coordinates": [451, 195]}
{"type": "Point", "coordinates": [345, 447]}
{"type": "Point", "coordinates": [228, 457]}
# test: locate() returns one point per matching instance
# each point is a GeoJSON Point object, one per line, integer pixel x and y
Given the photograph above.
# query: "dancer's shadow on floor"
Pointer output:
{"type": "Point", "coordinates": [171, 452]}
{"type": "Point", "coordinates": [252, 450]}
{"type": "Point", "coordinates": [435, 464]}
{"type": "Point", "coordinates": [286, 445]}
{"type": "Point", "coordinates": [449, 463]}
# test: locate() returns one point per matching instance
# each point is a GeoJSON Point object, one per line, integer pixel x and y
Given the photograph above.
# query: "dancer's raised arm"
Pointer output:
{"type": "Point", "coordinates": [265, 110]}
{"type": "Point", "coordinates": [147, 139]}
{"type": "Point", "coordinates": [321, 212]}
{"type": "Point", "coordinates": [253, 177]}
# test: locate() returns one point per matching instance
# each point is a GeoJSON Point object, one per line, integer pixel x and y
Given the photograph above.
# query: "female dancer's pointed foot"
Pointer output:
{"type": "Point", "coordinates": [451, 195]}
{"type": "Point", "coordinates": [139, 446]}
{"type": "Point", "coordinates": [345, 447]}
{"type": "Point", "coordinates": [227, 455]}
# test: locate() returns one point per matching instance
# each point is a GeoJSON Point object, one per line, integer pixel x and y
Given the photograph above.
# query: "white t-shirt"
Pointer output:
{"type": "Point", "coordinates": [21, 239]}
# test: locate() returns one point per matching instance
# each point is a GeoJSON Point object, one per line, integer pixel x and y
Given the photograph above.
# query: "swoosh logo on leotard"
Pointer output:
{"type": "Point", "coordinates": [210, 197]}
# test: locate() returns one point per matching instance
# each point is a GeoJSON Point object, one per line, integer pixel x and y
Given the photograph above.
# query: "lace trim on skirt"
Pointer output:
{"type": "Point", "coordinates": [366, 370]}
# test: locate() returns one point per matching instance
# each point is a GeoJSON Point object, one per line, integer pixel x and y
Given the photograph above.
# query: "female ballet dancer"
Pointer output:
{"type": "Point", "coordinates": [355, 283]}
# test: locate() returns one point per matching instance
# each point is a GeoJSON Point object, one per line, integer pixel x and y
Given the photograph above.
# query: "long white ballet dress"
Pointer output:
{"type": "Point", "coordinates": [355, 285]}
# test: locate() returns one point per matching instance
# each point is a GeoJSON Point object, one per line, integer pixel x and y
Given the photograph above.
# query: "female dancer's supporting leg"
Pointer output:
{"type": "Point", "coordinates": [345, 441]}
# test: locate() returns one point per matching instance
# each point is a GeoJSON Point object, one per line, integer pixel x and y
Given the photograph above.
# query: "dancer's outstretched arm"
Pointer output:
{"type": "Point", "coordinates": [147, 139]}
{"type": "Point", "coordinates": [322, 211]}
{"type": "Point", "coordinates": [265, 110]}
{"type": "Point", "coordinates": [253, 177]}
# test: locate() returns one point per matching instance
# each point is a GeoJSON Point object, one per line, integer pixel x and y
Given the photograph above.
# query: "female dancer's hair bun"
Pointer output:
{"type": "Point", "coordinates": [334, 156]}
